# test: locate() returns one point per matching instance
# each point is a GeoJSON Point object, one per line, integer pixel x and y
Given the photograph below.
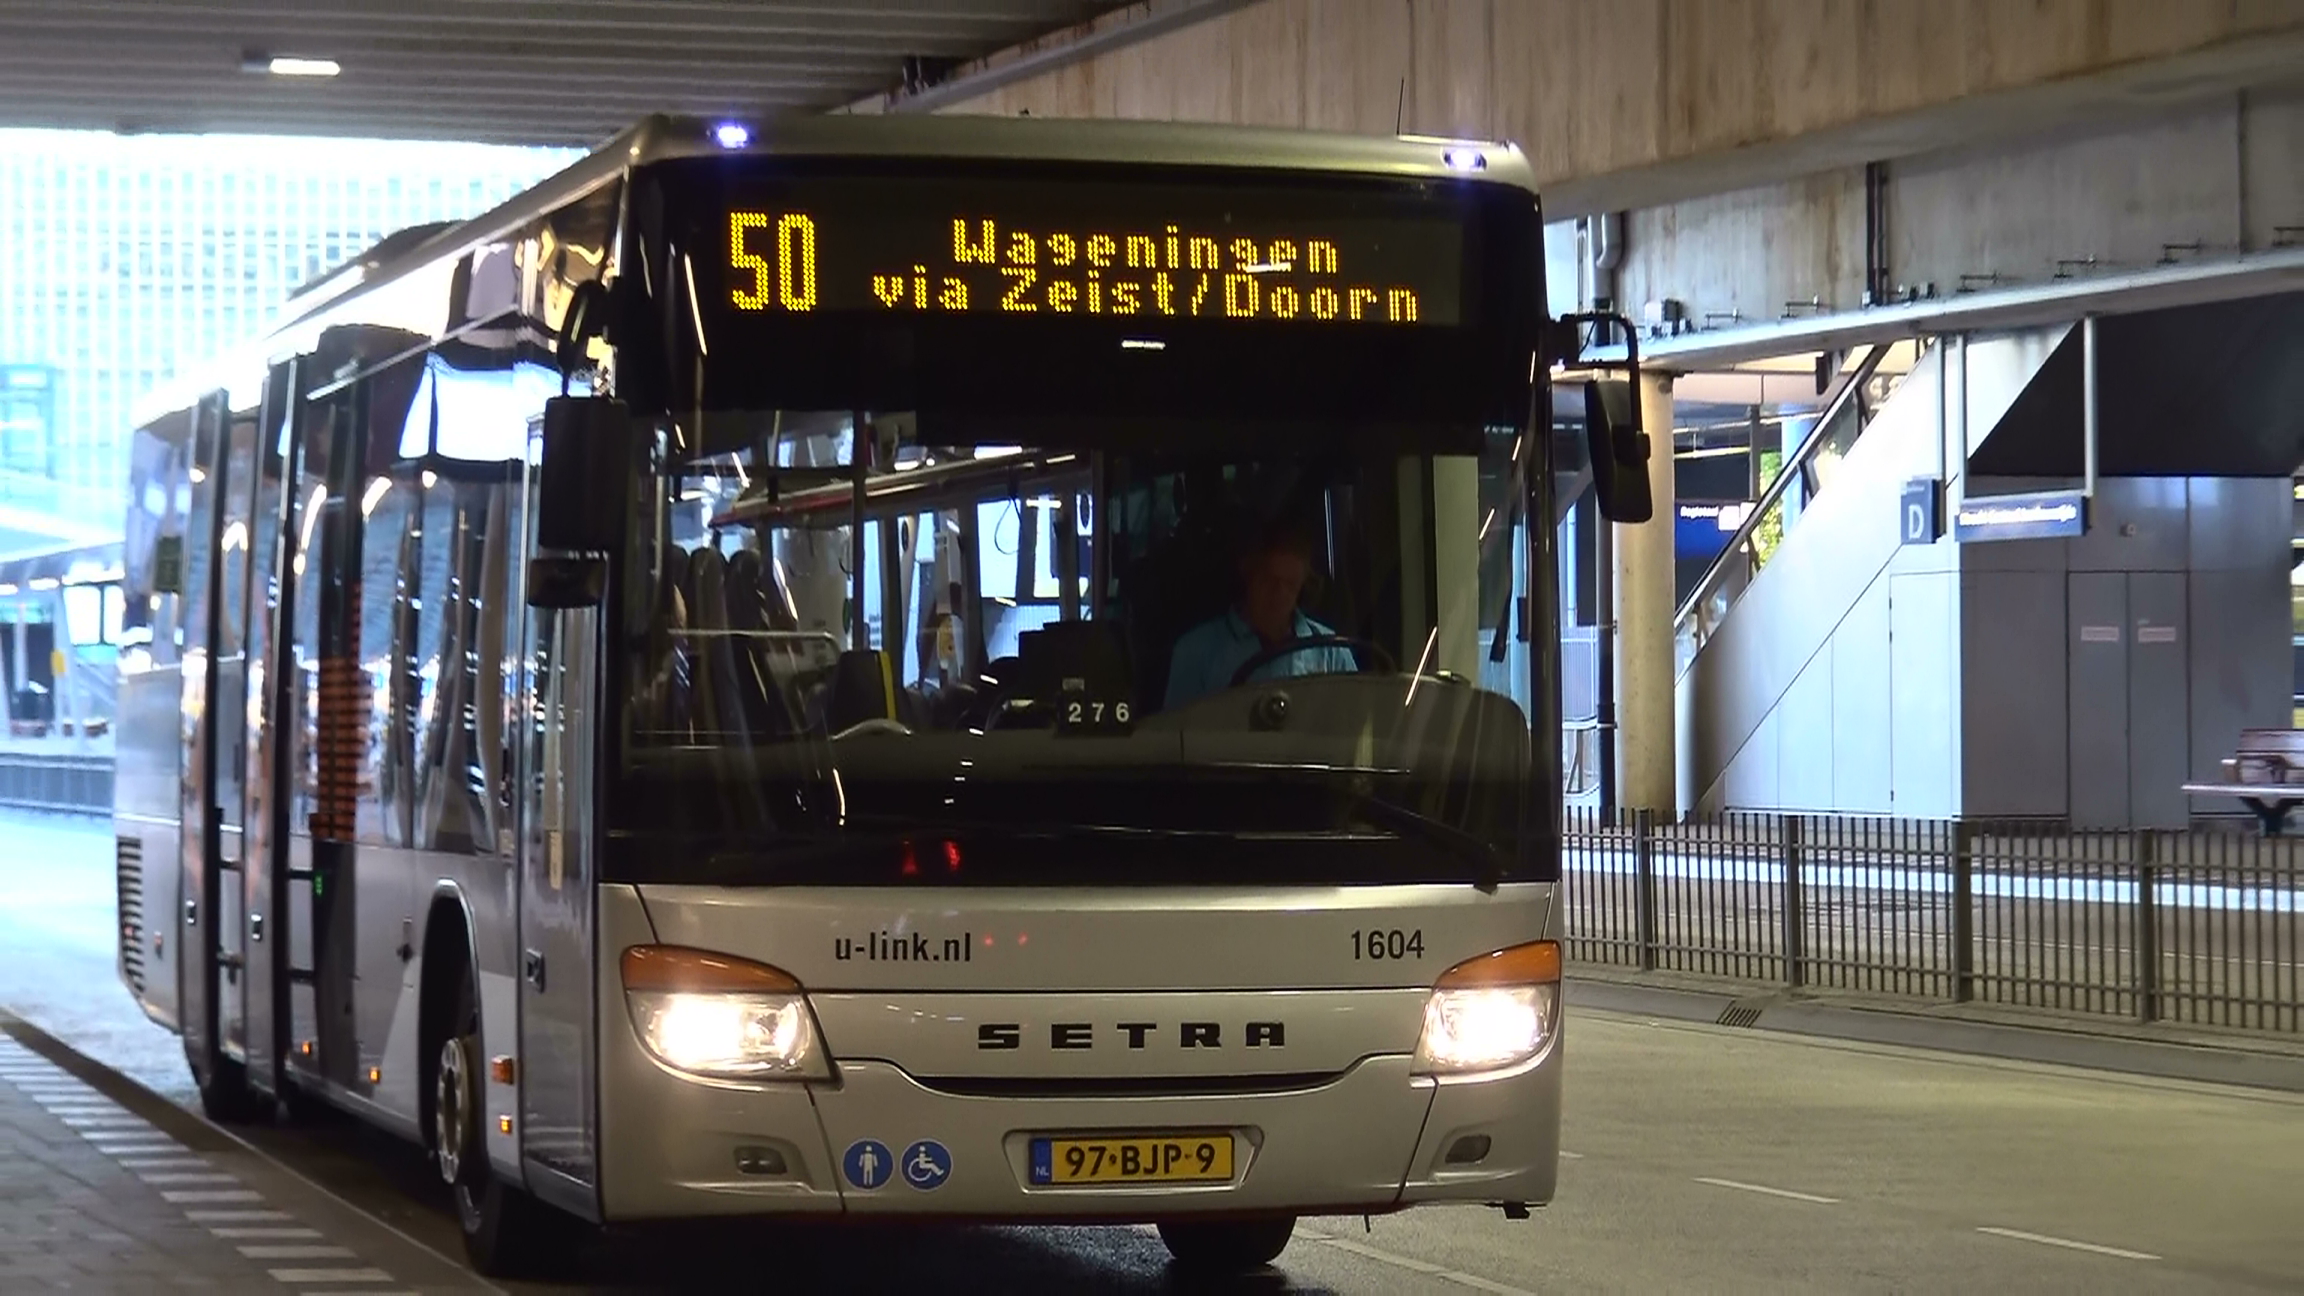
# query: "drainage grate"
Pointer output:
{"type": "Point", "coordinates": [1741, 1015]}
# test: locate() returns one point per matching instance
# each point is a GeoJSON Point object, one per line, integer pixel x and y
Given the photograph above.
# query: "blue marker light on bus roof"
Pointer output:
{"type": "Point", "coordinates": [1464, 159]}
{"type": "Point", "coordinates": [732, 135]}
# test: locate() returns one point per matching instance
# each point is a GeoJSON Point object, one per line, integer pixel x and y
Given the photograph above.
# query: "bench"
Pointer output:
{"type": "Point", "coordinates": [2266, 772]}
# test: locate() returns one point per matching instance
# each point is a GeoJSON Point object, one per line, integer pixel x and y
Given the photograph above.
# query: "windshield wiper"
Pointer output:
{"type": "Point", "coordinates": [1400, 821]}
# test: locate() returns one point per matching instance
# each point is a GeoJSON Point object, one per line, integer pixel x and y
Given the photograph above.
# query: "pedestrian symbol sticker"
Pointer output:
{"type": "Point", "coordinates": [867, 1163]}
{"type": "Point", "coordinates": [927, 1165]}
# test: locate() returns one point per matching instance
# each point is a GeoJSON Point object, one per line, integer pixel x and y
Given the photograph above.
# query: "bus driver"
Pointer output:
{"type": "Point", "coordinates": [1274, 563]}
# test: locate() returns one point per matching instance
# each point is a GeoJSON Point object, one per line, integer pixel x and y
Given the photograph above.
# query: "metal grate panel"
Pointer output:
{"type": "Point", "coordinates": [129, 853]}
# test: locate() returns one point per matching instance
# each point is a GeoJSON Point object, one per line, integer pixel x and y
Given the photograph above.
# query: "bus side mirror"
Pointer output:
{"type": "Point", "coordinates": [582, 483]}
{"type": "Point", "coordinates": [1619, 449]}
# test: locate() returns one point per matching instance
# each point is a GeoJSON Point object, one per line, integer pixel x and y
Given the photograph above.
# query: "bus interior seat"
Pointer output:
{"type": "Point", "coordinates": [762, 667]}
{"type": "Point", "coordinates": [762, 578]}
{"type": "Point", "coordinates": [670, 664]}
{"type": "Point", "coordinates": [715, 673]}
{"type": "Point", "coordinates": [747, 602]}
{"type": "Point", "coordinates": [863, 688]}
{"type": "Point", "coordinates": [1182, 582]}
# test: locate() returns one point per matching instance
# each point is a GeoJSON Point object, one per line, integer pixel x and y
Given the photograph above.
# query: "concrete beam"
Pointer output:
{"type": "Point", "coordinates": [1113, 30]}
{"type": "Point", "coordinates": [2127, 95]}
{"type": "Point", "coordinates": [1641, 103]}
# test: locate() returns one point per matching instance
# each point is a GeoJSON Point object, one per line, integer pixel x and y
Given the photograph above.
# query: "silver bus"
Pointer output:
{"type": "Point", "coordinates": [872, 667]}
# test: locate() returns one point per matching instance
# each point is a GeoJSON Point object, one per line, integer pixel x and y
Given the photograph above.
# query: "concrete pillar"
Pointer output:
{"type": "Point", "coordinates": [1646, 775]}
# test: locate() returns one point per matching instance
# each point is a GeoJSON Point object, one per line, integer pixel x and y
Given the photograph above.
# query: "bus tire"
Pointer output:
{"type": "Point", "coordinates": [1226, 1246]}
{"type": "Point", "coordinates": [225, 1097]}
{"type": "Point", "coordinates": [507, 1233]}
{"type": "Point", "coordinates": [304, 1109]}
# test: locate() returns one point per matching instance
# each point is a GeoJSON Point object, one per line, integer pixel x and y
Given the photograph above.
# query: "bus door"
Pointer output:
{"type": "Point", "coordinates": [215, 589]}
{"type": "Point", "coordinates": [323, 725]}
{"type": "Point", "coordinates": [263, 1004]}
{"type": "Point", "coordinates": [555, 822]}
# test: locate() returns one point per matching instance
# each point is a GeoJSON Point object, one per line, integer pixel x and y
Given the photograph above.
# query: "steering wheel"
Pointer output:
{"type": "Point", "coordinates": [1362, 650]}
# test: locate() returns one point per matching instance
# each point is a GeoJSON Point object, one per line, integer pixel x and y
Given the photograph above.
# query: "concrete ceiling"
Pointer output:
{"type": "Point", "coordinates": [559, 72]}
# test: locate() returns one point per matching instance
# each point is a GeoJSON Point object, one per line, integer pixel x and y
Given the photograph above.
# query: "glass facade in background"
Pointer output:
{"type": "Point", "coordinates": [126, 259]}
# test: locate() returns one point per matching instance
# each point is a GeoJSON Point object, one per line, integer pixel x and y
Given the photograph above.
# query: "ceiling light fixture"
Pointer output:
{"type": "Point", "coordinates": [289, 65]}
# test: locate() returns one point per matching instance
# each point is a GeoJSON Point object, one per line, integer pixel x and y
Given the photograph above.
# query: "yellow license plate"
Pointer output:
{"type": "Point", "coordinates": [1133, 1159]}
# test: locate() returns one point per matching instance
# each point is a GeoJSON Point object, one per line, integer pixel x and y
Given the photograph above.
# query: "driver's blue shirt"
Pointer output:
{"type": "Point", "coordinates": [1208, 653]}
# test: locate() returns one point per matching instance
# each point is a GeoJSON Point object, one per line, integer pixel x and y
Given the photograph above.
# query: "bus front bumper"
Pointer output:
{"type": "Point", "coordinates": [1372, 1139]}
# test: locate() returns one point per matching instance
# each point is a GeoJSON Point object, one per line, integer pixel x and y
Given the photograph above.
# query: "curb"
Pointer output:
{"type": "Point", "coordinates": [342, 1219]}
{"type": "Point", "coordinates": [2047, 1043]}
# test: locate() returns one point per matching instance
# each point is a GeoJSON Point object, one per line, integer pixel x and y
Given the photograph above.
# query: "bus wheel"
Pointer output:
{"type": "Point", "coordinates": [303, 1109]}
{"type": "Point", "coordinates": [225, 1097]}
{"type": "Point", "coordinates": [506, 1232]}
{"type": "Point", "coordinates": [1227, 1246]}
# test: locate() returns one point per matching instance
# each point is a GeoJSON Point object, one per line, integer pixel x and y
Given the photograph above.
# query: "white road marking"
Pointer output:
{"type": "Point", "coordinates": [140, 1148]}
{"type": "Point", "coordinates": [1478, 1283]}
{"type": "Point", "coordinates": [1772, 1192]}
{"type": "Point", "coordinates": [181, 1177]}
{"type": "Point", "coordinates": [122, 1123]}
{"type": "Point", "coordinates": [1372, 1253]}
{"type": "Point", "coordinates": [209, 1196]}
{"type": "Point", "coordinates": [297, 1252]}
{"type": "Point", "coordinates": [186, 1162]}
{"type": "Point", "coordinates": [236, 1216]}
{"type": "Point", "coordinates": [308, 1276]}
{"type": "Point", "coordinates": [252, 1234]}
{"type": "Point", "coordinates": [1378, 1254]}
{"type": "Point", "coordinates": [1571, 1156]}
{"type": "Point", "coordinates": [2067, 1243]}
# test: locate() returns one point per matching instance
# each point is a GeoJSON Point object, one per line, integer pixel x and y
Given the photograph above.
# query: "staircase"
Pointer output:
{"type": "Point", "coordinates": [1785, 646]}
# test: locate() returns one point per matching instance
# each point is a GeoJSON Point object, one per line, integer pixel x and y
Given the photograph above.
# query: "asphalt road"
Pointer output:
{"type": "Point", "coordinates": [1701, 1159]}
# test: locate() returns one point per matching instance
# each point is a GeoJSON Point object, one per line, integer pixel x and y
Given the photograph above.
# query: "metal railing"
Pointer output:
{"type": "Point", "coordinates": [67, 783]}
{"type": "Point", "coordinates": [2201, 928]}
{"type": "Point", "coordinates": [1734, 567]}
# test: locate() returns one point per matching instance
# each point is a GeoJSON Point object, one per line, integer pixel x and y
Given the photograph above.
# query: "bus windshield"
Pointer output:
{"type": "Point", "coordinates": [1001, 663]}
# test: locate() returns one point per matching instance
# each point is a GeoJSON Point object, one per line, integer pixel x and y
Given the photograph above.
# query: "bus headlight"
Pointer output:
{"type": "Point", "coordinates": [1492, 1012]}
{"type": "Point", "coordinates": [724, 1018]}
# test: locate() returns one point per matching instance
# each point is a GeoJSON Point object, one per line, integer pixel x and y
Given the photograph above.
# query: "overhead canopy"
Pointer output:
{"type": "Point", "coordinates": [552, 72]}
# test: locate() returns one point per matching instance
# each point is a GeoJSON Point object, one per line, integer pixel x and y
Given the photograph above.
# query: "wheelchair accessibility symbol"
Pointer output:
{"type": "Point", "coordinates": [927, 1165]}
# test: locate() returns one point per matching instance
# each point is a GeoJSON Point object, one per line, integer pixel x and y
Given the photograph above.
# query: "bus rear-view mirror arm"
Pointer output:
{"type": "Point", "coordinates": [1619, 446]}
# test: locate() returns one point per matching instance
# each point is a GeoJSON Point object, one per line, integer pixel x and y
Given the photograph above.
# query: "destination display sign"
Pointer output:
{"type": "Point", "coordinates": [1302, 257]}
